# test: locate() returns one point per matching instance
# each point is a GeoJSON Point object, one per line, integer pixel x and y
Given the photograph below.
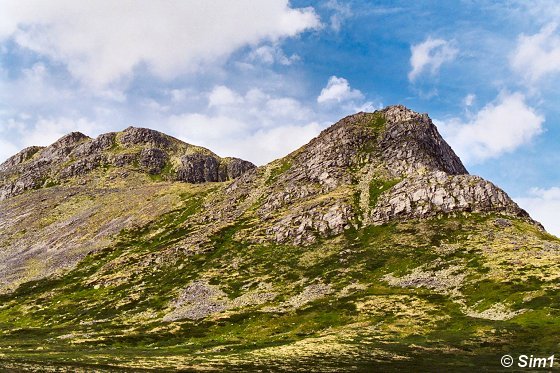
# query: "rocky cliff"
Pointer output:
{"type": "Point", "coordinates": [370, 246]}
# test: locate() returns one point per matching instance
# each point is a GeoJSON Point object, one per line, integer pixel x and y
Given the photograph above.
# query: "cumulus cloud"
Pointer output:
{"type": "Point", "coordinates": [261, 125]}
{"type": "Point", "coordinates": [543, 205]}
{"type": "Point", "coordinates": [222, 95]}
{"type": "Point", "coordinates": [340, 12]}
{"type": "Point", "coordinates": [270, 54]}
{"type": "Point", "coordinates": [429, 56]}
{"type": "Point", "coordinates": [34, 86]}
{"type": "Point", "coordinates": [47, 130]}
{"type": "Point", "coordinates": [25, 131]}
{"type": "Point", "coordinates": [7, 149]}
{"type": "Point", "coordinates": [235, 137]}
{"type": "Point", "coordinates": [537, 55]}
{"type": "Point", "coordinates": [499, 127]}
{"type": "Point", "coordinates": [338, 90]}
{"type": "Point", "coordinates": [103, 41]}
{"type": "Point", "coordinates": [253, 125]}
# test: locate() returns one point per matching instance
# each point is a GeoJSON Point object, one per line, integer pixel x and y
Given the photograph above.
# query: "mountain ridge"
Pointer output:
{"type": "Point", "coordinates": [366, 169]}
{"type": "Point", "coordinates": [147, 151]}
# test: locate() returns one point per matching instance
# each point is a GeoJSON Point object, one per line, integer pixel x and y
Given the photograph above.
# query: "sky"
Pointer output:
{"type": "Point", "coordinates": [258, 79]}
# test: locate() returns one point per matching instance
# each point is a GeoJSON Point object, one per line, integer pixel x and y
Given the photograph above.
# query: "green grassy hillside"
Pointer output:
{"type": "Point", "coordinates": [283, 269]}
{"type": "Point", "coordinates": [451, 291]}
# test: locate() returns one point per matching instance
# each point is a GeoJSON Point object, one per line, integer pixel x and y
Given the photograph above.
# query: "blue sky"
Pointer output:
{"type": "Point", "coordinates": [257, 79]}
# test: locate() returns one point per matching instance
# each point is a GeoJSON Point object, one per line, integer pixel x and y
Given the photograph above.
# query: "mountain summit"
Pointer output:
{"type": "Point", "coordinates": [372, 244]}
{"type": "Point", "coordinates": [139, 150]}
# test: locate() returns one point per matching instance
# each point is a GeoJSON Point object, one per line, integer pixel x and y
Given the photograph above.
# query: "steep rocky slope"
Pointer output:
{"type": "Point", "coordinates": [371, 247]}
{"type": "Point", "coordinates": [87, 190]}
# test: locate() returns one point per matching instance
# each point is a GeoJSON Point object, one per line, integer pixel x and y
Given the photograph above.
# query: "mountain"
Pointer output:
{"type": "Point", "coordinates": [369, 248]}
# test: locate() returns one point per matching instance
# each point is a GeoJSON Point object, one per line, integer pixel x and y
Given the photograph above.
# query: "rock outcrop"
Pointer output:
{"type": "Point", "coordinates": [411, 143]}
{"type": "Point", "coordinates": [200, 168]}
{"type": "Point", "coordinates": [439, 192]}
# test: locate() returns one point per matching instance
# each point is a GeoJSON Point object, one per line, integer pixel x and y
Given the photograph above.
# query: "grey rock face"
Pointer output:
{"type": "Point", "coordinates": [236, 167]}
{"type": "Point", "coordinates": [308, 193]}
{"type": "Point", "coordinates": [30, 168]}
{"type": "Point", "coordinates": [411, 143]}
{"type": "Point", "coordinates": [153, 160]}
{"type": "Point", "coordinates": [201, 168]}
{"type": "Point", "coordinates": [327, 157]}
{"type": "Point", "coordinates": [198, 168]}
{"type": "Point", "coordinates": [63, 146]}
{"type": "Point", "coordinates": [438, 192]}
{"type": "Point", "coordinates": [20, 157]}
{"type": "Point", "coordinates": [82, 166]}
{"type": "Point", "coordinates": [304, 225]}
{"type": "Point", "coordinates": [99, 144]}
{"type": "Point", "coordinates": [133, 136]}
{"type": "Point", "coordinates": [396, 140]}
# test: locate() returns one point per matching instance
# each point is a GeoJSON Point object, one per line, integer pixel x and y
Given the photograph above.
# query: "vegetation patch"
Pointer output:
{"type": "Point", "coordinates": [285, 165]}
{"type": "Point", "coordinates": [377, 187]}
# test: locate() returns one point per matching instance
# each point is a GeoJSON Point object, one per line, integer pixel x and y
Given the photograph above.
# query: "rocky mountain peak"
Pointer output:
{"type": "Point", "coordinates": [411, 143]}
{"type": "Point", "coordinates": [78, 159]}
{"type": "Point", "coordinates": [396, 141]}
{"type": "Point", "coordinates": [405, 141]}
{"type": "Point", "coordinates": [135, 135]}
{"type": "Point", "coordinates": [71, 139]}
{"type": "Point", "coordinates": [368, 168]}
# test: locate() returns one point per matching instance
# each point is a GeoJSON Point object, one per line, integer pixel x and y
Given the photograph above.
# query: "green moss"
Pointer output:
{"type": "Point", "coordinates": [377, 120]}
{"type": "Point", "coordinates": [166, 173]}
{"type": "Point", "coordinates": [284, 166]}
{"type": "Point", "coordinates": [46, 182]}
{"type": "Point", "coordinates": [377, 187]}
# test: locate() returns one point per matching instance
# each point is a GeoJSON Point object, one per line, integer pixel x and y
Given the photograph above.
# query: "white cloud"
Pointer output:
{"type": "Point", "coordinates": [204, 130]}
{"type": "Point", "coordinates": [155, 105]}
{"type": "Point", "coordinates": [469, 99]}
{"type": "Point", "coordinates": [16, 134]}
{"type": "Point", "coordinates": [257, 126]}
{"type": "Point", "coordinates": [235, 137]}
{"type": "Point", "coordinates": [177, 95]}
{"type": "Point", "coordinates": [338, 90]}
{"type": "Point", "coordinates": [222, 95]}
{"type": "Point", "coordinates": [499, 127]}
{"type": "Point", "coordinates": [35, 86]}
{"type": "Point", "coordinates": [543, 205]}
{"type": "Point", "coordinates": [430, 55]}
{"type": "Point", "coordinates": [47, 131]}
{"type": "Point", "coordinates": [288, 108]}
{"type": "Point", "coordinates": [7, 149]}
{"type": "Point", "coordinates": [270, 54]}
{"type": "Point", "coordinates": [341, 12]}
{"type": "Point", "coordinates": [104, 41]}
{"type": "Point", "coordinates": [537, 55]}
{"type": "Point", "coordinates": [269, 144]}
